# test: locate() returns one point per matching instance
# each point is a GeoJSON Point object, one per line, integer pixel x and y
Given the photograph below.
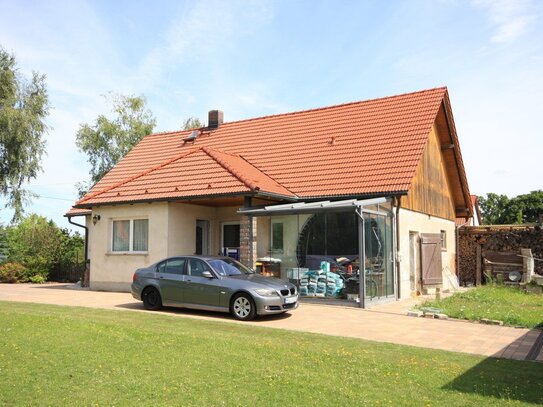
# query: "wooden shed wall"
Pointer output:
{"type": "Point", "coordinates": [430, 191]}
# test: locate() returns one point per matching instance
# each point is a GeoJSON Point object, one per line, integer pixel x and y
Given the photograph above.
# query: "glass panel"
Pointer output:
{"type": "Point", "coordinates": [378, 264]}
{"type": "Point", "coordinates": [230, 235]}
{"type": "Point", "coordinates": [175, 266]}
{"type": "Point", "coordinates": [321, 254]}
{"type": "Point", "coordinates": [121, 235]}
{"type": "Point", "coordinates": [374, 268]}
{"type": "Point", "coordinates": [141, 235]}
{"type": "Point", "coordinates": [315, 231]}
{"type": "Point", "coordinates": [389, 256]}
{"type": "Point", "coordinates": [197, 267]}
{"type": "Point", "coordinates": [327, 253]}
{"type": "Point", "coordinates": [277, 236]}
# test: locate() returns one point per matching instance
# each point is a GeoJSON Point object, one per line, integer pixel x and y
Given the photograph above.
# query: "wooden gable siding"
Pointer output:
{"type": "Point", "coordinates": [457, 177]}
{"type": "Point", "coordinates": [430, 190]}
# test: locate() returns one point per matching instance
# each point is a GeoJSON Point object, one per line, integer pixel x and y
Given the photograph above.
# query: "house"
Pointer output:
{"type": "Point", "coordinates": [355, 201]}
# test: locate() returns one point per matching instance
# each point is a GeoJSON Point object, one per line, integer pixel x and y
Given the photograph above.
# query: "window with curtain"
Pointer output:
{"type": "Point", "coordinates": [121, 235]}
{"type": "Point", "coordinates": [141, 234]}
{"type": "Point", "coordinates": [130, 235]}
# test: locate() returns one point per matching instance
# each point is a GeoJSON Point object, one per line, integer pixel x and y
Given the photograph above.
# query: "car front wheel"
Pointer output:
{"type": "Point", "coordinates": [151, 299]}
{"type": "Point", "coordinates": [243, 307]}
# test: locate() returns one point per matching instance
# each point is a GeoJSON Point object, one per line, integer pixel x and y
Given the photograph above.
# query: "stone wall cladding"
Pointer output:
{"type": "Point", "coordinates": [248, 245]}
{"type": "Point", "coordinates": [508, 238]}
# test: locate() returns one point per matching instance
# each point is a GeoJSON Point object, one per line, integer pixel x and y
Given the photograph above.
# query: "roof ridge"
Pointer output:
{"type": "Point", "coordinates": [212, 153]}
{"type": "Point", "coordinates": [319, 108]}
{"type": "Point", "coordinates": [337, 105]}
{"type": "Point", "coordinates": [130, 179]}
{"type": "Point", "coordinates": [267, 175]}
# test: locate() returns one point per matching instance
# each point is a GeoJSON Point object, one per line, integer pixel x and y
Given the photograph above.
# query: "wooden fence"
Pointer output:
{"type": "Point", "coordinates": [67, 272]}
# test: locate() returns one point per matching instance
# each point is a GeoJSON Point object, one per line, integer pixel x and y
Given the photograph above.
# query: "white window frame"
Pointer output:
{"type": "Point", "coordinates": [130, 236]}
{"type": "Point", "coordinates": [443, 234]}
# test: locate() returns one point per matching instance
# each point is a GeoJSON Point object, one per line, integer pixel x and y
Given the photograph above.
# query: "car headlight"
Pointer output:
{"type": "Point", "coordinates": [266, 292]}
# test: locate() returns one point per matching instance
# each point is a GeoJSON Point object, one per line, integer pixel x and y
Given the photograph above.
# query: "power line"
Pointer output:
{"type": "Point", "coordinates": [52, 197]}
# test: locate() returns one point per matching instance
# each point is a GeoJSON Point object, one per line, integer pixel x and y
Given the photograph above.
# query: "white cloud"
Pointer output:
{"type": "Point", "coordinates": [510, 19]}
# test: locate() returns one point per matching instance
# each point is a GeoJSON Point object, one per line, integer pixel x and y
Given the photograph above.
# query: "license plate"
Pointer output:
{"type": "Point", "coordinates": [290, 300]}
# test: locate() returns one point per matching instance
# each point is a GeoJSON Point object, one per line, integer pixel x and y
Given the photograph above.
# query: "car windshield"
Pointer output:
{"type": "Point", "coordinates": [229, 267]}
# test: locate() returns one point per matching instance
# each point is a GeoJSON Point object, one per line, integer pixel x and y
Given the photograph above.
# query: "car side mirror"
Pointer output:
{"type": "Point", "coordinates": [207, 274]}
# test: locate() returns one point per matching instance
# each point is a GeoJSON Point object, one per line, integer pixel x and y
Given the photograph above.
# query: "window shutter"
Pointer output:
{"type": "Point", "coordinates": [431, 259]}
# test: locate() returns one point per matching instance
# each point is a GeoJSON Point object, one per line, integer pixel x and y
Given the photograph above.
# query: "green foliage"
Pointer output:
{"type": "Point", "coordinates": [37, 279]}
{"type": "Point", "coordinates": [24, 106]}
{"type": "Point", "coordinates": [500, 210]}
{"type": "Point", "coordinates": [106, 141]}
{"type": "Point", "coordinates": [40, 245]}
{"type": "Point", "coordinates": [508, 304]}
{"type": "Point", "coordinates": [192, 123]}
{"type": "Point", "coordinates": [3, 244]}
{"type": "Point", "coordinates": [493, 208]}
{"type": "Point", "coordinates": [528, 206]}
{"type": "Point", "coordinates": [13, 273]}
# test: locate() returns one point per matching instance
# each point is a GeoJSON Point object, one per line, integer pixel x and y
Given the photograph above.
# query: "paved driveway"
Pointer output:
{"type": "Point", "coordinates": [382, 324]}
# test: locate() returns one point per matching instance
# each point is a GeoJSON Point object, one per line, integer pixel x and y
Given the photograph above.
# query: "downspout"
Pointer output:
{"type": "Point", "coordinates": [85, 280]}
{"type": "Point", "coordinates": [86, 236]}
{"type": "Point", "coordinates": [398, 274]}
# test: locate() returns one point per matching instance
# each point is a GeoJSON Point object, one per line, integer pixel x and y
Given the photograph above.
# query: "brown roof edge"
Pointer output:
{"type": "Point", "coordinates": [171, 199]}
{"type": "Point", "coordinates": [423, 147]}
{"type": "Point", "coordinates": [258, 194]}
{"type": "Point", "coordinates": [457, 153]}
{"type": "Point", "coordinates": [78, 212]}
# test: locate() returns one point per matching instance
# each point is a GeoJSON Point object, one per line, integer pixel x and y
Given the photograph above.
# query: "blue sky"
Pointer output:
{"type": "Point", "coordinates": [253, 58]}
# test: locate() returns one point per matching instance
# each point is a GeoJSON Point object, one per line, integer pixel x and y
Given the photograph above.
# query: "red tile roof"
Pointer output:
{"type": "Point", "coordinates": [361, 148]}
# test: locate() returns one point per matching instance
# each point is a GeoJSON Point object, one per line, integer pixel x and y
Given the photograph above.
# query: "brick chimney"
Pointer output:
{"type": "Point", "coordinates": [215, 119]}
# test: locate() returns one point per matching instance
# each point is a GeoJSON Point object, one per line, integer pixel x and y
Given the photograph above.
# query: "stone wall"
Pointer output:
{"type": "Point", "coordinates": [248, 247]}
{"type": "Point", "coordinates": [506, 238]}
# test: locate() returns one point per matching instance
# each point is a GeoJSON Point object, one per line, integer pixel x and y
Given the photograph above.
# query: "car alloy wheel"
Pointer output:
{"type": "Point", "coordinates": [243, 307]}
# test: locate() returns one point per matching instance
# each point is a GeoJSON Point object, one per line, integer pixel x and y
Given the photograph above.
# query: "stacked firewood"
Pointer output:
{"type": "Point", "coordinates": [496, 239]}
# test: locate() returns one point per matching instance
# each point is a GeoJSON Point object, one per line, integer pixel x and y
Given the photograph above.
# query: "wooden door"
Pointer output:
{"type": "Point", "coordinates": [431, 259]}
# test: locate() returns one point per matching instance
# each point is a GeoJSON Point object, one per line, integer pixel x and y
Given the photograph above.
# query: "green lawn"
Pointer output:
{"type": "Point", "coordinates": [52, 355]}
{"type": "Point", "coordinates": [510, 305]}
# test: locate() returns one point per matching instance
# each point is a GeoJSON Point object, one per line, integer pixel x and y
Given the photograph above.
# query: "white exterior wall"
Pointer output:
{"type": "Point", "coordinates": [411, 221]}
{"type": "Point", "coordinates": [182, 225]}
{"type": "Point", "coordinates": [172, 231]}
{"type": "Point", "coordinates": [112, 271]}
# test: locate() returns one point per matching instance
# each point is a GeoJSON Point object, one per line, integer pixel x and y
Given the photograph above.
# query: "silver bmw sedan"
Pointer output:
{"type": "Point", "coordinates": [214, 284]}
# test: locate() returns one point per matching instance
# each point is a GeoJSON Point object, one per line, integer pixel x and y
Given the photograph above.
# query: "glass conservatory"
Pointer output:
{"type": "Point", "coordinates": [335, 251]}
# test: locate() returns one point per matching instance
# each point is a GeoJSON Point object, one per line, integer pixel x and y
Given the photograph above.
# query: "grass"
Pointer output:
{"type": "Point", "coordinates": [507, 304]}
{"type": "Point", "coordinates": [52, 355]}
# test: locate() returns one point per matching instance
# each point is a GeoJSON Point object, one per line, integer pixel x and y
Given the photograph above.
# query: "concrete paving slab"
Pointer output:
{"type": "Point", "coordinates": [376, 325]}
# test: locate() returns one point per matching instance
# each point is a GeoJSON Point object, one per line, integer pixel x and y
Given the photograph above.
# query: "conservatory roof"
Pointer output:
{"type": "Point", "coordinates": [300, 207]}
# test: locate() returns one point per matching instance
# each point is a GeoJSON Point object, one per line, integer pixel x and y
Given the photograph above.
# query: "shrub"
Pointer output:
{"type": "Point", "coordinates": [37, 279]}
{"type": "Point", "coordinates": [13, 273]}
